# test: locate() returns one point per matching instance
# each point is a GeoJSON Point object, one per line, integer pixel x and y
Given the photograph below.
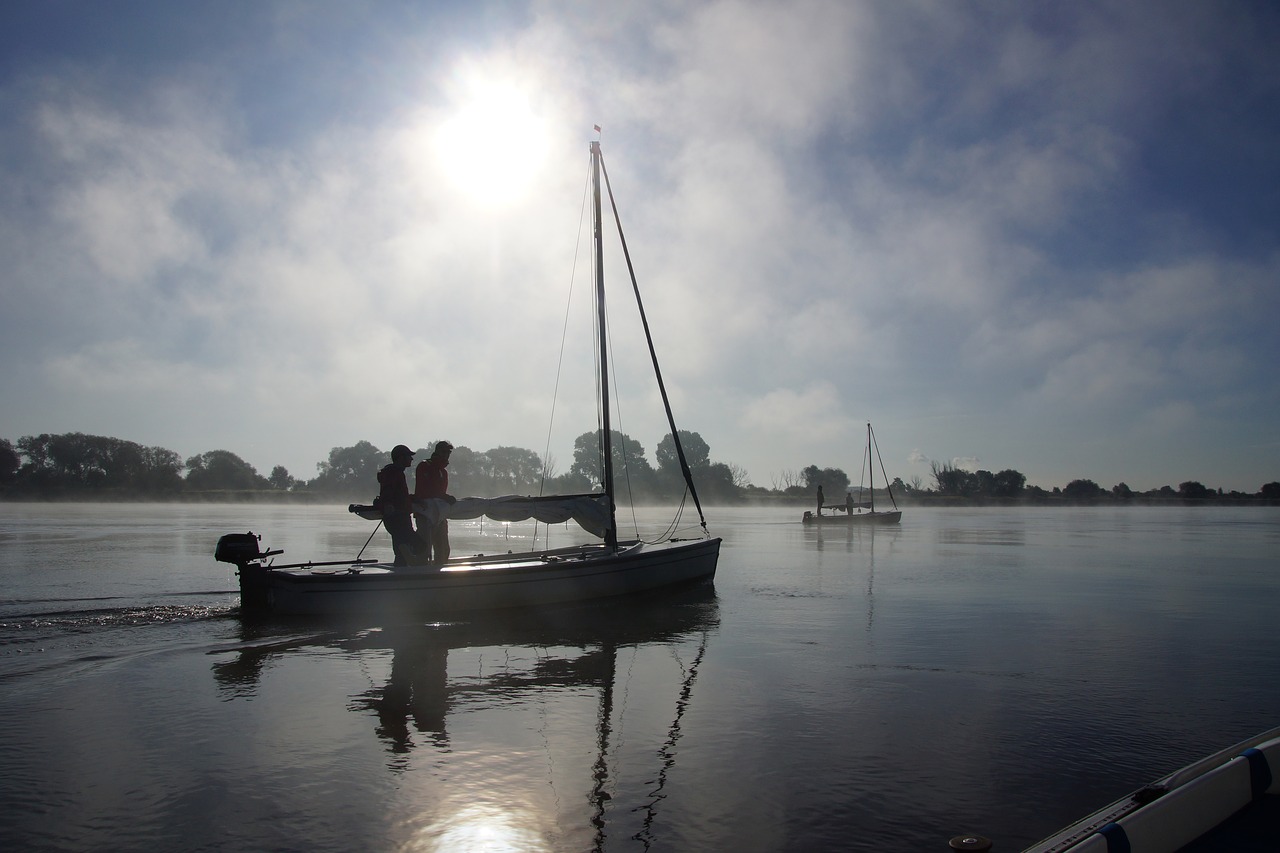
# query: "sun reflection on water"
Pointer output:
{"type": "Point", "coordinates": [481, 828]}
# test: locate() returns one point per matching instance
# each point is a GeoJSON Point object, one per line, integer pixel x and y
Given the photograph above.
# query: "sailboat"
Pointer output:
{"type": "Point", "coordinates": [851, 512]}
{"type": "Point", "coordinates": [602, 570]}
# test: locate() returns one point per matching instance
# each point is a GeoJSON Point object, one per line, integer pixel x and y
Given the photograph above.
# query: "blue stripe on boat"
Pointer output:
{"type": "Point", "coordinates": [1117, 840]}
{"type": "Point", "coordinates": [1259, 772]}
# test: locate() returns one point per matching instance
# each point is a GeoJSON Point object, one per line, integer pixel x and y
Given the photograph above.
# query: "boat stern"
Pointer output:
{"type": "Point", "coordinates": [241, 549]}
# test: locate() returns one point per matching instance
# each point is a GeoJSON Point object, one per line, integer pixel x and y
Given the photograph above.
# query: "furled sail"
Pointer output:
{"type": "Point", "coordinates": [591, 512]}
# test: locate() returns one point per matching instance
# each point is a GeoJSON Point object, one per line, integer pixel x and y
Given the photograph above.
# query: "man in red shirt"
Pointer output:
{"type": "Point", "coordinates": [431, 480]}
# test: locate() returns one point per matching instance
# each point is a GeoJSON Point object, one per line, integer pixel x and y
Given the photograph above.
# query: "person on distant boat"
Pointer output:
{"type": "Point", "coordinates": [848, 502]}
{"type": "Point", "coordinates": [821, 500]}
{"type": "Point", "coordinates": [431, 481]}
{"type": "Point", "coordinates": [397, 508]}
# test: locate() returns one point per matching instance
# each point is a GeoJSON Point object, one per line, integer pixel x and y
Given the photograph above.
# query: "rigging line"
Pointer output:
{"type": "Point", "coordinates": [668, 750]}
{"type": "Point", "coordinates": [674, 524]}
{"type": "Point", "coordinates": [367, 541]}
{"type": "Point", "coordinates": [653, 353]}
{"type": "Point", "coordinates": [862, 473]}
{"type": "Point", "coordinates": [883, 473]}
{"type": "Point", "coordinates": [539, 653]}
{"type": "Point", "coordinates": [564, 336]}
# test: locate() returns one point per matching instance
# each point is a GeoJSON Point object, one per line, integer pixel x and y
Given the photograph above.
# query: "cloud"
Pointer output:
{"type": "Point", "coordinates": [995, 234]}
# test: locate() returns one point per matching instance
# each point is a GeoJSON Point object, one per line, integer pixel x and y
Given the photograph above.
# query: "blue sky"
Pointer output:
{"type": "Point", "coordinates": [1032, 235]}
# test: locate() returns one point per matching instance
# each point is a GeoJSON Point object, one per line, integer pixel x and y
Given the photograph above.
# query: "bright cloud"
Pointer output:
{"type": "Point", "coordinates": [1030, 238]}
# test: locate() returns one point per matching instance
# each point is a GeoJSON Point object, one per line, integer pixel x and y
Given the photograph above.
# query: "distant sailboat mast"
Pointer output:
{"type": "Point", "coordinates": [871, 469]}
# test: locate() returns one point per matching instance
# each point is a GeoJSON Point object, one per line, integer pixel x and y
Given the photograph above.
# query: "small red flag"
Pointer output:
{"type": "Point", "coordinates": [598, 129]}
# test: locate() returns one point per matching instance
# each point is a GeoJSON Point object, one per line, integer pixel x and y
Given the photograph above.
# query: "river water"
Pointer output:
{"type": "Point", "coordinates": [999, 671]}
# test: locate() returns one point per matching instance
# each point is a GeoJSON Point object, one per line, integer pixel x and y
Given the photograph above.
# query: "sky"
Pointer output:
{"type": "Point", "coordinates": [1033, 235]}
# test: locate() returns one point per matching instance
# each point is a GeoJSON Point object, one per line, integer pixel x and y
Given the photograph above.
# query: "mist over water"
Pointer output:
{"type": "Point", "coordinates": [1000, 671]}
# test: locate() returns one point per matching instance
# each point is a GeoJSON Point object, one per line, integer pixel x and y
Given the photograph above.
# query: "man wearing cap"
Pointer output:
{"type": "Point", "coordinates": [397, 506]}
{"type": "Point", "coordinates": [431, 480]}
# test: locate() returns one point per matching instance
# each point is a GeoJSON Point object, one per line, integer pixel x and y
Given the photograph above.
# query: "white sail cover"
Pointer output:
{"type": "Point", "coordinates": [590, 511]}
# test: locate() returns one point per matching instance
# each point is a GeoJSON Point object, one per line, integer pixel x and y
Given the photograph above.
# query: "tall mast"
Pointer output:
{"type": "Point", "coordinates": [606, 433]}
{"type": "Point", "coordinates": [871, 469]}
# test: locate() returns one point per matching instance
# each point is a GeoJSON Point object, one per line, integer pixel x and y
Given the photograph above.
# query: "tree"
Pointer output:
{"type": "Point", "coordinates": [1009, 483]}
{"type": "Point", "coordinates": [696, 452]}
{"type": "Point", "coordinates": [222, 470]}
{"type": "Point", "coordinates": [281, 479]}
{"type": "Point", "coordinates": [1271, 491]}
{"type": "Point", "coordinates": [631, 470]}
{"type": "Point", "coordinates": [741, 478]}
{"type": "Point", "coordinates": [512, 470]}
{"type": "Point", "coordinates": [162, 470]}
{"type": "Point", "coordinates": [834, 481]}
{"type": "Point", "coordinates": [786, 479]}
{"type": "Point", "coordinates": [715, 483]}
{"type": "Point", "coordinates": [77, 462]}
{"type": "Point", "coordinates": [952, 480]}
{"type": "Point", "coordinates": [468, 470]}
{"type": "Point", "coordinates": [1122, 491]}
{"type": "Point", "coordinates": [1191, 490]}
{"type": "Point", "coordinates": [10, 462]}
{"type": "Point", "coordinates": [350, 469]}
{"type": "Point", "coordinates": [1086, 490]}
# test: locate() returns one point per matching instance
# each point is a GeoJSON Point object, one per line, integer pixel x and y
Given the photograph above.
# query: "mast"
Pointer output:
{"type": "Point", "coordinates": [606, 433]}
{"type": "Point", "coordinates": [871, 469]}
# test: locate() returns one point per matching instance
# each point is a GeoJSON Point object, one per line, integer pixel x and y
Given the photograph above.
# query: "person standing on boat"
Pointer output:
{"type": "Point", "coordinates": [821, 500]}
{"type": "Point", "coordinates": [431, 482]}
{"type": "Point", "coordinates": [848, 502]}
{"type": "Point", "coordinates": [397, 508]}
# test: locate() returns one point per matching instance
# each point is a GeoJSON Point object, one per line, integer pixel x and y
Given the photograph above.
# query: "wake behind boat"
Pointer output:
{"type": "Point", "coordinates": [851, 512]}
{"type": "Point", "coordinates": [531, 579]}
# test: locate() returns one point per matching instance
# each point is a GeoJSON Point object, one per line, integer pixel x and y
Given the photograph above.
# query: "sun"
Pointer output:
{"type": "Point", "coordinates": [493, 144]}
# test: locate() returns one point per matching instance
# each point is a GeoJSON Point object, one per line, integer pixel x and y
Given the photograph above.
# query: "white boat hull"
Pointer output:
{"type": "Point", "coordinates": [480, 583]}
{"type": "Point", "coordinates": [1180, 808]}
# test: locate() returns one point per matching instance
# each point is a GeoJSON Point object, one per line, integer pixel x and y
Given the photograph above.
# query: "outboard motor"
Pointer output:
{"type": "Point", "coordinates": [242, 550]}
{"type": "Point", "coordinates": [238, 548]}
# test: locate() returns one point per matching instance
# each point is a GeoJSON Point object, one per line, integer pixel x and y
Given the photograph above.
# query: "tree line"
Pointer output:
{"type": "Point", "coordinates": [1010, 484]}
{"type": "Point", "coordinates": [79, 466]}
{"type": "Point", "coordinates": [75, 465]}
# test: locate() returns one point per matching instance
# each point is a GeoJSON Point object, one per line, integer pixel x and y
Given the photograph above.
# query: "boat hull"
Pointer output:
{"type": "Point", "coordinates": [1196, 803]}
{"type": "Point", "coordinates": [480, 583]}
{"type": "Point", "coordinates": [856, 518]}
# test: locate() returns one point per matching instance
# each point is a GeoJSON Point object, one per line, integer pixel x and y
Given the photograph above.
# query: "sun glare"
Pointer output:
{"type": "Point", "coordinates": [493, 145]}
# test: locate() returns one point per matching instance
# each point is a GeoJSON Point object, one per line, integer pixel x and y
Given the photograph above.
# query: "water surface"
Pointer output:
{"type": "Point", "coordinates": [992, 671]}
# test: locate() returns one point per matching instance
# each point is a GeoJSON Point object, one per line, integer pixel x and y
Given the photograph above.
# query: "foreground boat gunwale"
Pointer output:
{"type": "Point", "coordinates": [1141, 810]}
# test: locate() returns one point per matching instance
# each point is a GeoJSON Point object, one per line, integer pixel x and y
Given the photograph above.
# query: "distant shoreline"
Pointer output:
{"type": "Point", "coordinates": [787, 501]}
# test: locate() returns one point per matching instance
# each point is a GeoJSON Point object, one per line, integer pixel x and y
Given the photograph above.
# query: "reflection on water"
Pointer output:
{"type": "Point", "coordinates": [417, 691]}
{"type": "Point", "coordinates": [999, 671]}
{"type": "Point", "coordinates": [442, 672]}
